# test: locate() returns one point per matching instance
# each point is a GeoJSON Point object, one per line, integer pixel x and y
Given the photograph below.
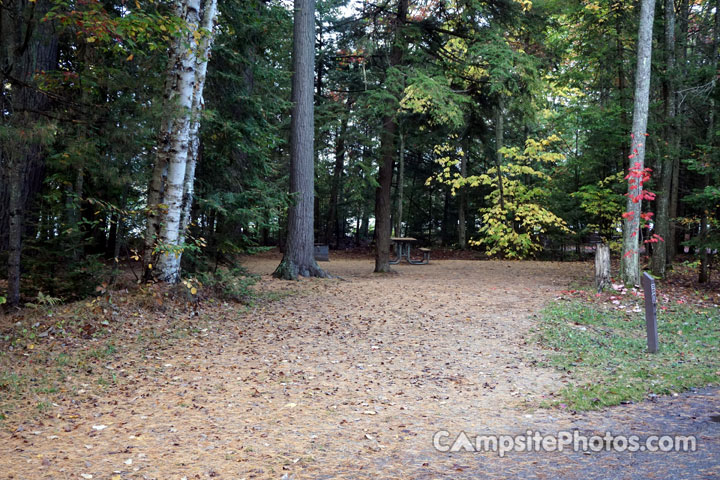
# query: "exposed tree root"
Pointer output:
{"type": "Point", "coordinates": [289, 270]}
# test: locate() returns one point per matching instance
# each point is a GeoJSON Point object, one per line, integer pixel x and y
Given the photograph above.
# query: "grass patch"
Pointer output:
{"type": "Point", "coordinates": [604, 352]}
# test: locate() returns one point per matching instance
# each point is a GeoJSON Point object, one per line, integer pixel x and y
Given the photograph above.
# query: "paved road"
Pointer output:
{"type": "Point", "coordinates": [694, 414]}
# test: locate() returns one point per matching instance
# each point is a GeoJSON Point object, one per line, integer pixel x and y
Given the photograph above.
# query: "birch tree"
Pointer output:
{"type": "Point", "coordinates": [299, 252]}
{"type": "Point", "coordinates": [631, 244]}
{"type": "Point", "coordinates": [171, 189]}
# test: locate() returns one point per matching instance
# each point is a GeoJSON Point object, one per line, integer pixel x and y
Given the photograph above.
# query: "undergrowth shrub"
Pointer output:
{"type": "Point", "coordinates": [233, 283]}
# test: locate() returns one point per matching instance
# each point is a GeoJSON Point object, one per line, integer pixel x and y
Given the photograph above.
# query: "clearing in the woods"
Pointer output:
{"type": "Point", "coordinates": [342, 378]}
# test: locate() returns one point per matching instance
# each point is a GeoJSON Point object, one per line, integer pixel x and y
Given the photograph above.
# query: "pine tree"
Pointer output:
{"type": "Point", "coordinates": [299, 251]}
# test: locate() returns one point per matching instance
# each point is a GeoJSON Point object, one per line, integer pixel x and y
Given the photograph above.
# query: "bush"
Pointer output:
{"type": "Point", "coordinates": [229, 283]}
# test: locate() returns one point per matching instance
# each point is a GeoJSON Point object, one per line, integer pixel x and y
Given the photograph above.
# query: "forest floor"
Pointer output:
{"type": "Point", "coordinates": [343, 378]}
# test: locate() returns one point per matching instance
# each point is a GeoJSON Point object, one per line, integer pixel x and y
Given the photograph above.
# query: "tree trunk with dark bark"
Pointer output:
{"type": "Point", "coordinates": [462, 197]}
{"type": "Point", "coordinates": [28, 45]}
{"type": "Point", "coordinates": [298, 259]}
{"type": "Point", "coordinates": [620, 59]}
{"type": "Point", "coordinates": [499, 140]}
{"type": "Point", "coordinates": [705, 256]}
{"type": "Point", "coordinates": [400, 189]}
{"type": "Point", "coordinates": [333, 229]}
{"type": "Point", "coordinates": [383, 203]}
{"type": "Point", "coordinates": [666, 162]}
{"type": "Point", "coordinates": [674, 231]}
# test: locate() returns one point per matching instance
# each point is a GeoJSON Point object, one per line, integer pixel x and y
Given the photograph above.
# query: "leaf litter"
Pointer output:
{"type": "Point", "coordinates": [333, 379]}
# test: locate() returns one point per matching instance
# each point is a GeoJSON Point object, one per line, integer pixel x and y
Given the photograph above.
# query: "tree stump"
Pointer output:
{"type": "Point", "coordinates": [602, 266]}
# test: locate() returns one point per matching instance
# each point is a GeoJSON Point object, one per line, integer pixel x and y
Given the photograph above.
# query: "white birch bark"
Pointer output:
{"type": "Point", "coordinates": [631, 234]}
{"type": "Point", "coordinates": [168, 268]}
{"type": "Point", "coordinates": [202, 60]}
{"type": "Point", "coordinates": [157, 181]}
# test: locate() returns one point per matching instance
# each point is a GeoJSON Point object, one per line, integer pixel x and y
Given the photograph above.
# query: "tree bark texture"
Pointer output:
{"type": "Point", "coordinates": [462, 197]}
{"type": "Point", "coordinates": [155, 206]}
{"type": "Point", "coordinates": [602, 266]}
{"type": "Point", "coordinates": [171, 189]}
{"type": "Point", "coordinates": [499, 140]}
{"type": "Point", "coordinates": [168, 268]}
{"type": "Point", "coordinates": [400, 189]}
{"type": "Point", "coordinates": [631, 245]}
{"type": "Point", "coordinates": [383, 204]}
{"type": "Point", "coordinates": [666, 162]}
{"type": "Point", "coordinates": [299, 252]}
{"type": "Point", "coordinates": [198, 105]}
{"type": "Point", "coordinates": [620, 60]}
{"type": "Point", "coordinates": [705, 258]}
{"type": "Point", "coordinates": [674, 231]}
{"type": "Point", "coordinates": [27, 46]}
{"type": "Point", "coordinates": [333, 230]}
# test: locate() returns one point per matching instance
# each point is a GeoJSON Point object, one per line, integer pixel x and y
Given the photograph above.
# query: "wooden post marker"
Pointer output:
{"type": "Point", "coordinates": [648, 284]}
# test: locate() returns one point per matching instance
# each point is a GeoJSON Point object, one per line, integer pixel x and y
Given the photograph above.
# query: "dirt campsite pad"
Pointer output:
{"type": "Point", "coordinates": [343, 378]}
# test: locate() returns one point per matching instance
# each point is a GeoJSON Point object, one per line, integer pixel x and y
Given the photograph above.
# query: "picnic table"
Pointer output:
{"type": "Point", "coordinates": [402, 250]}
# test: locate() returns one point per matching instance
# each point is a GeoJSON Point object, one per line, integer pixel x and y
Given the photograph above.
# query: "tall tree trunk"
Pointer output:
{"type": "Point", "coordinates": [168, 268]}
{"type": "Point", "coordinates": [444, 230]}
{"type": "Point", "coordinates": [173, 175]}
{"type": "Point", "coordinates": [28, 45]}
{"type": "Point", "coordinates": [620, 59]}
{"type": "Point", "coordinates": [704, 268]}
{"type": "Point", "coordinates": [462, 196]}
{"type": "Point", "coordinates": [155, 197]}
{"type": "Point", "coordinates": [198, 105]}
{"type": "Point", "coordinates": [382, 196]}
{"type": "Point", "coordinates": [332, 227]}
{"type": "Point", "coordinates": [16, 209]}
{"type": "Point", "coordinates": [704, 273]}
{"type": "Point", "coordinates": [499, 140]}
{"type": "Point", "coordinates": [383, 203]}
{"type": "Point", "coordinates": [365, 224]}
{"type": "Point", "coordinates": [631, 254]}
{"type": "Point", "coordinates": [666, 162]}
{"type": "Point", "coordinates": [400, 186]}
{"type": "Point", "coordinates": [674, 231]}
{"type": "Point", "coordinates": [299, 258]}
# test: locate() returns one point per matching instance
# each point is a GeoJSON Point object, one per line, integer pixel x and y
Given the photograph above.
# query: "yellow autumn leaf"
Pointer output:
{"type": "Point", "coordinates": [193, 290]}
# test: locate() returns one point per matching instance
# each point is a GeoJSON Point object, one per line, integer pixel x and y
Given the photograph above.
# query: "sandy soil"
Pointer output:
{"type": "Point", "coordinates": [345, 378]}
